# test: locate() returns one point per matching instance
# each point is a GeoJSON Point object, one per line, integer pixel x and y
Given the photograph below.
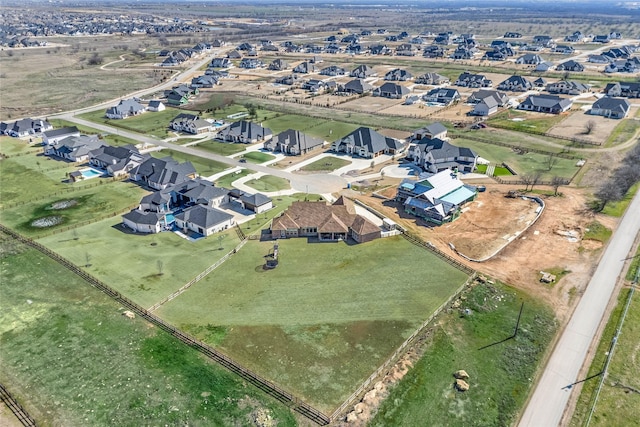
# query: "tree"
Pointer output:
{"type": "Point", "coordinates": [607, 193]}
{"type": "Point", "coordinates": [372, 164]}
{"type": "Point", "coordinates": [535, 179]}
{"type": "Point", "coordinates": [552, 160]}
{"type": "Point", "coordinates": [589, 127]}
{"type": "Point", "coordinates": [556, 182]}
{"type": "Point", "coordinates": [526, 180]}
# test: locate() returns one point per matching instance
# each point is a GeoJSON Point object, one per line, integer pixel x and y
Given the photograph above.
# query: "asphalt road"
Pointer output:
{"type": "Point", "coordinates": [549, 400]}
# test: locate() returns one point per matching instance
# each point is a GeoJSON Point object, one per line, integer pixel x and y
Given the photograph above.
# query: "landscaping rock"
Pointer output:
{"type": "Point", "coordinates": [369, 396]}
{"type": "Point", "coordinates": [461, 385]}
{"type": "Point", "coordinates": [461, 374]}
{"type": "Point", "coordinates": [359, 408]}
{"type": "Point", "coordinates": [379, 386]}
{"type": "Point", "coordinates": [352, 417]}
{"type": "Point", "coordinates": [129, 314]}
{"type": "Point", "coordinates": [262, 418]}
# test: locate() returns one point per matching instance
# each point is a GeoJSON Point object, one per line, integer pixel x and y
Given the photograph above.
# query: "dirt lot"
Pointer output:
{"type": "Point", "coordinates": [542, 247]}
{"type": "Point", "coordinates": [574, 126]}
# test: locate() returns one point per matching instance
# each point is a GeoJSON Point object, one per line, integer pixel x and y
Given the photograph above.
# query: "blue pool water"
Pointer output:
{"type": "Point", "coordinates": [90, 173]}
{"type": "Point", "coordinates": [170, 218]}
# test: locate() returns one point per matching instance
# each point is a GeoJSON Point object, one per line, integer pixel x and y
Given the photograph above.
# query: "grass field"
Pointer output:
{"type": "Point", "coordinates": [324, 319]}
{"type": "Point", "coordinates": [617, 404]}
{"type": "Point", "coordinates": [130, 263]}
{"type": "Point", "coordinates": [226, 180]}
{"type": "Point", "coordinates": [204, 167]}
{"type": "Point", "coordinates": [331, 130]}
{"type": "Point", "coordinates": [115, 140]}
{"type": "Point", "coordinates": [258, 157]}
{"type": "Point", "coordinates": [327, 164]}
{"type": "Point", "coordinates": [618, 208]}
{"type": "Point", "coordinates": [522, 163]}
{"type": "Point", "coordinates": [596, 231]}
{"type": "Point", "coordinates": [222, 148]}
{"type": "Point", "coordinates": [530, 122]}
{"type": "Point", "coordinates": [15, 146]}
{"type": "Point", "coordinates": [500, 375]}
{"type": "Point", "coordinates": [499, 170]}
{"type": "Point", "coordinates": [622, 132]}
{"type": "Point", "coordinates": [268, 183]}
{"type": "Point", "coordinates": [151, 122]}
{"type": "Point", "coordinates": [109, 370]}
{"type": "Point", "coordinates": [634, 267]}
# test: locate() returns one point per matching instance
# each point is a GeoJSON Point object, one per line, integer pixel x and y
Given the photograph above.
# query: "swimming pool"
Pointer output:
{"type": "Point", "coordinates": [90, 173]}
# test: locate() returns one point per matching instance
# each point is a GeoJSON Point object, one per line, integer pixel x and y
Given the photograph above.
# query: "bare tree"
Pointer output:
{"type": "Point", "coordinates": [607, 193]}
{"type": "Point", "coordinates": [556, 182]}
{"type": "Point", "coordinates": [526, 180]}
{"type": "Point", "coordinates": [535, 179]}
{"type": "Point", "coordinates": [589, 127]}
{"type": "Point", "coordinates": [552, 160]}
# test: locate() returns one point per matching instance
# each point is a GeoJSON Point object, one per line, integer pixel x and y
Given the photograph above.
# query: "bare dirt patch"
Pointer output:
{"type": "Point", "coordinates": [574, 126]}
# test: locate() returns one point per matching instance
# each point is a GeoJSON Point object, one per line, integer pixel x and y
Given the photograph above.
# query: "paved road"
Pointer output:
{"type": "Point", "coordinates": [315, 184]}
{"type": "Point", "coordinates": [547, 405]}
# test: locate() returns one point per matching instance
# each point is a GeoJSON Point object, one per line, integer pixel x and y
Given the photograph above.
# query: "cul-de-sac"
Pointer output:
{"type": "Point", "coordinates": [265, 213]}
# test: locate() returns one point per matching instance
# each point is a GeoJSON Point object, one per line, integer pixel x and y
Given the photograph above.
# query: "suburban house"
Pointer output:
{"type": "Point", "coordinates": [501, 98]}
{"type": "Point", "coordinates": [190, 123]}
{"type": "Point", "coordinates": [74, 148]}
{"type": "Point", "coordinates": [516, 84]}
{"type": "Point", "coordinates": [433, 51]}
{"type": "Point", "coordinates": [431, 131]}
{"type": "Point", "coordinates": [529, 59]}
{"type": "Point", "coordinates": [379, 49]}
{"type": "Point", "coordinates": [601, 38]}
{"type": "Point", "coordinates": [576, 37]}
{"type": "Point", "coordinates": [51, 137]}
{"type": "Point", "coordinates": [362, 72]}
{"type": "Point", "coordinates": [431, 79]}
{"type": "Point", "coordinates": [630, 65]}
{"type": "Point", "coordinates": [568, 87]}
{"type": "Point", "coordinates": [125, 108]}
{"type": "Point", "coordinates": [462, 52]}
{"type": "Point", "coordinates": [221, 63]}
{"type": "Point", "coordinates": [539, 82]}
{"type": "Point", "coordinates": [144, 222]}
{"type": "Point", "coordinates": [496, 55]}
{"type": "Point", "coordinates": [160, 173]}
{"type": "Point", "coordinates": [116, 161]}
{"type": "Point", "coordinates": [544, 41]}
{"type": "Point", "coordinates": [198, 191]}
{"type": "Point", "coordinates": [293, 142]}
{"type": "Point", "coordinates": [614, 108]}
{"type": "Point", "coordinates": [435, 155]}
{"type": "Point", "coordinates": [626, 89]}
{"type": "Point", "coordinates": [327, 223]}
{"type": "Point", "coordinates": [366, 142]}
{"type": "Point", "coordinates": [570, 65]}
{"type": "Point", "coordinates": [257, 203]}
{"type": "Point", "coordinates": [391, 90]}
{"type": "Point", "coordinates": [206, 80]}
{"type": "Point", "coordinates": [544, 66]}
{"type": "Point", "coordinates": [398, 75]}
{"type": "Point", "coordinates": [406, 49]}
{"type": "Point", "coordinates": [564, 49]}
{"type": "Point", "coordinates": [444, 96]}
{"type": "Point", "coordinates": [156, 106]}
{"type": "Point", "coordinates": [305, 68]}
{"type": "Point", "coordinates": [473, 80]}
{"type": "Point", "coordinates": [599, 59]}
{"type": "Point", "coordinates": [333, 70]}
{"type": "Point", "coordinates": [546, 104]}
{"type": "Point", "coordinates": [356, 86]}
{"type": "Point", "coordinates": [278, 65]}
{"type": "Point", "coordinates": [203, 220]}
{"type": "Point", "coordinates": [288, 80]}
{"type": "Point", "coordinates": [245, 132]}
{"type": "Point", "coordinates": [251, 63]}
{"type": "Point", "coordinates": [25, 127]}
{"type": "Point", "coordinates": [437, 199]}
{"type": "Point", "coordinates": [512, 35]}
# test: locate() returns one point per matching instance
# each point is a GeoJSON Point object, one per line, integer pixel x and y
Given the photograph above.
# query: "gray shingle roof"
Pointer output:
{"type": "Point", "coordinates": [203, 216]}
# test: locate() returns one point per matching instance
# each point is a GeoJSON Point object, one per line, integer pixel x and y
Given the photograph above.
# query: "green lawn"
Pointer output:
{"type": "Point", "coordinates": [617, 404]}
{"type": "Point", "coordinates": [501, 375]}
{"type": "Point", "coordinates": [151, 122]}
{"type": "Point", "coordinates": [625, 130]}
{"type": "Point", "coordinates": [596, 231]}
{"type": "Point", "coordinates": [222, 148]}
{"type": "Point", "coordinates": [499, 170]}
{"type": "Point", "coordinates": [115, 140]}
{"type": "Point", "coordinates": [10, 146]}
{"type": "Point", "coordinates": [129, 263]}
{"type": "Point", "coordinates": [541, 123]}
{"type": "Point", "coordinates": [283, 122]}
{"type": "Point", "coordinates": [226, 180]}
{"type": "Point", "coordinates": [204, 167]}
{"type": "Point", "coordinates": [331, 130]}
{"type": "Point", "coordinates": [71, 358]}
{"type": "Point", "coordinates": [635, 266]}
{"type": "Point", "coordinates": [324, 319]}
{"type": "Point", "coordinates": [618, 208]}
{"type": "Point", "coordinates": [92, 204]}
{"type": "Point", "coordinates": [258, 157]}
{"type": "Point", "coordinates": [522, 163]}
{"type": "Point", "coordinates": [327, 164]}
{"type": "Point", "coordinates": [268, 183]}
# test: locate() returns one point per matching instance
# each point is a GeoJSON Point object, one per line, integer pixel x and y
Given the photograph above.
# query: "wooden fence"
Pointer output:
{"type": "Point", "coordinates": [537, 132]}
{"type": "Point", "coordinates": [17, 409]}
{"type": "Point", "coordinates": [263, 384]}
{"type": "Point", "coordinates": [563, 155]}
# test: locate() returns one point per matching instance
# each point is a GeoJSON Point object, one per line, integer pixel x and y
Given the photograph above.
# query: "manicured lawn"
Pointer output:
{"type": "Point", "coordinates": [500, 375]}
{"type": "Point", "coordinates": [204, 167]}
{"type": "Point", "coordinates": [327, 164]}
{"type": "Point", "coordinates": [222, 148]}
{"type": "Point", "coordinates": [498, 171]}
{"type": "Point", "coordinates": [324, 319]}
{"type": "Point", "coordinates": [522, 163]}
{"type": "Point", "coordinates": [71, 358]}
{"type": "Point", "coordinates": [618, 208]}
{"type": "Point", "coordinates": [226, 180]}
{"type": "Point", "coordinates": [268, 183]}
{"type": "Point", "coordinates": [90, 204]}
{"type": "Point", "coordinates": [258, 157]}
{"type": "Point", "coordinates": [289, 121]}
{"type": "Point", "coordinates": [151, 122]}
{"type": "Point", "coordinates": [331, 130]}
{"type": "Point", "coordinates": [618, 404]}
{"type": "Point", "coordinates": [597, 231]}
{"type": "Point", "coordinates": [12, 146]}
{"type": "Point", "coordinates": [532, 122]}
{"type": "Point", "coordinates": [130, 262]}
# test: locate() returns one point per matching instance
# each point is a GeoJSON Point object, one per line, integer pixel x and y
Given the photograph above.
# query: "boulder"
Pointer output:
{"type": "Point", "coordinates": [461, 375]}
{"type": "Point", "coordinates": [370, 396]}
{"type": "Point", "coordinates": [461, 385]}
{"type": "Point", "coordinates": [352, 417]}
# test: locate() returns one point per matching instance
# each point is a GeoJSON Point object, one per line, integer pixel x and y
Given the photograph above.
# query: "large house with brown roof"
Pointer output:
{"type": "Point", "coordinates": [326, 222]}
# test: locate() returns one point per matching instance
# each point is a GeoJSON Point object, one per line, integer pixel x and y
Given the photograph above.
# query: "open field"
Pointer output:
{"type": "Point", "coordinates": [525, 121]}
{"type": "Point", "coordinates": [204, 167]}
{"type": "Point", "coordinates": [144, 267]}
{"type": "Point", "coordinates": [268, 183]}
{"type": "Point", "coordinates": [89, 204]}
{"type": "Point", "coordinates": [109, 370]}
{"type": "Point", "coordinates": [305, 325]}
{"type": "Point", "coordinates": [575, 126]}
{"type": "Point", "coordinates": [16, 146]}
{"type": "Point", "coordinates": [619, 401]}
{"type": "Point", "coordinates": [500, 374]}
{"type": "Point", "coordinates": [151, 123]}
{"type": "Point", "coordinates": [624, 130]}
